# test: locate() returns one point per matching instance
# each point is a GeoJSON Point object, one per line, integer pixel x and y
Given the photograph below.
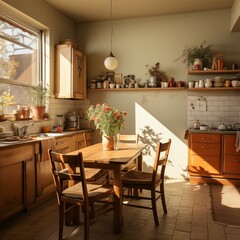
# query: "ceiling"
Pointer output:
{"type": "Point", "coordinates": [82, 11]}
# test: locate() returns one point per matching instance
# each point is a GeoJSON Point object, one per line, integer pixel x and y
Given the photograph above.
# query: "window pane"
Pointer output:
{"type": "Point", "coordinates": [19, 54]}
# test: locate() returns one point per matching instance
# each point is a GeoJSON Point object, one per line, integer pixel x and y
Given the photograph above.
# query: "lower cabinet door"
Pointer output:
{"type": "Point", "coordinates": [232, 164]}
{"type": "Point", "coordinates": [204, 165]}
{"type": "Point", "coordinates": [11, 190]}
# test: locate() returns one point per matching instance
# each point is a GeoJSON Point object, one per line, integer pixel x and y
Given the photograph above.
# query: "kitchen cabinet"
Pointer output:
{"type": "Point", "coordinates": [204, 154]}
{"type": "Point", "coordinates": [64, 144]}
{"type": "Point", "coordinates": [231, 158]}
{"type": "Point", "coordinates": [25, 175]}
{"type": "Point", "coordinates": [17, 179]}
{"type": "Point", "coordinates": [70, 72]}
{"type": "Point", "coordinates": [212, 158]}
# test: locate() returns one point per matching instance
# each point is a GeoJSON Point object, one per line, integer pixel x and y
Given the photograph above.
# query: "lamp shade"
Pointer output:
{"type": "Point", "coordinates": [111, 62]}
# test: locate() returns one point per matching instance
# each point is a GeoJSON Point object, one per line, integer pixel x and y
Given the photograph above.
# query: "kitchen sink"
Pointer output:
{"type": "Point", "coordinates": [54, 134]}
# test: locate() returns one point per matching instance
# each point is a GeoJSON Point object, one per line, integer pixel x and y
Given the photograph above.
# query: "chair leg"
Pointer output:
{"type": "Point", "coordinates": [86, 222]}
{"type": "Point", "coordinates": [154, 207]}
{"type": "Point", "coordinates": [163, 198]}
{"type": "Point", "coordinates": [61, 220]}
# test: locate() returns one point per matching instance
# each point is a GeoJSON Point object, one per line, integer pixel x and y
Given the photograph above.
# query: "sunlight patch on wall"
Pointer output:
{"type": "Point", "coordinates": [151, 131]}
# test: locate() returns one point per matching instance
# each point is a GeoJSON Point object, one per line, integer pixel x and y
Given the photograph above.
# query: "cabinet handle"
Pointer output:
{"type": "Point", "coordinates": [206, 138]}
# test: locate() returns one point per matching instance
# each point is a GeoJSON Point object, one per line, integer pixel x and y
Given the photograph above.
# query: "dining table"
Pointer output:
{"type": "Point", "coordinates": [95, 157]}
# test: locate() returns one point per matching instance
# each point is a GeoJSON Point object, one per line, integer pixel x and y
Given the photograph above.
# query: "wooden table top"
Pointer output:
{"type": "Point", "coordinates": [125, 153]}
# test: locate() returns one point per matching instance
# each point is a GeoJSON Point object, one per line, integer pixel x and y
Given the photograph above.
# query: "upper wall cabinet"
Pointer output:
{"type": "Point", "coordinates": [70, 72]}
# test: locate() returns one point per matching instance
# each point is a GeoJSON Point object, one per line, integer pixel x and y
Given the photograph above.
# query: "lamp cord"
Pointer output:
{"type": "Point", "coordinates": [111, 25]}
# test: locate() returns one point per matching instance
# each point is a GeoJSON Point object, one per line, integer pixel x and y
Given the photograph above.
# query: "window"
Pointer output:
{"type": "Point", "coordinates": [20, 60]}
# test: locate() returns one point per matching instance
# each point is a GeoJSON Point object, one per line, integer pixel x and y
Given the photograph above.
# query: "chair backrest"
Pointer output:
{"type": "Point", "coordinates": [85, 140]}
{"type": "Point", "coordinates": [64, 170]}
{"type": "Point", "coordinates": [161, 159]}
{"type": "Point", "coordinates": [129, 138]}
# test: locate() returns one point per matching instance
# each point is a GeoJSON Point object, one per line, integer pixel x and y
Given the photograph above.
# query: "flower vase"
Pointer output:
{"type": "Point", "coordinates": [107, 143]}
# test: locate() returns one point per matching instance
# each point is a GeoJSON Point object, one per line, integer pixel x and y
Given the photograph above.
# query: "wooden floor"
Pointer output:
{"type": "Point", "coordinates": [189, 217]}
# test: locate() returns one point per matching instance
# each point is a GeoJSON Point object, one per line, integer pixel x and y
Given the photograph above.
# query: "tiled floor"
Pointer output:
{"type": "Point", "coordinates": [189, 217]}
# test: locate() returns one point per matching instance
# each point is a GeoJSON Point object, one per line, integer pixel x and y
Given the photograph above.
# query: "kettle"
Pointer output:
{"type": "Point", "coordinates": [222, 127]}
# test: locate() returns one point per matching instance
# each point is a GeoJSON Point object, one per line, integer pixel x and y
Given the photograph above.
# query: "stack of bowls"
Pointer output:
{"type": "Point", "coordinates": [218, 82]}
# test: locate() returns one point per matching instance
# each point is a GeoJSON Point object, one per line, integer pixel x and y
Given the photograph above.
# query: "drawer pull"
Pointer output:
{"type": "Point", "coordinates": [206, 138]}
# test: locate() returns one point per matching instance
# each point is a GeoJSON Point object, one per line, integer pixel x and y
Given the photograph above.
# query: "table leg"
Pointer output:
{"type": "Point", "coordinates": [117, 209]}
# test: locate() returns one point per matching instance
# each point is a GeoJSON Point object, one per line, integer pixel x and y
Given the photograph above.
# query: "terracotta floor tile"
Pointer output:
{"type": "Point", "coordinates": [189, 218]}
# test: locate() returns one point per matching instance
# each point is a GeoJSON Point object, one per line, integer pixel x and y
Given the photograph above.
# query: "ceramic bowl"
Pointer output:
{"type": "Point", "coordinates": [203, 127]}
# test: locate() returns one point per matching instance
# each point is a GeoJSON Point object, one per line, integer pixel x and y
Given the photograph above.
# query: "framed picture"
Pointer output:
{"type": "Point", "coordinates": [110, 76]}
{"type": "Point", "coordinates": [118, 78]}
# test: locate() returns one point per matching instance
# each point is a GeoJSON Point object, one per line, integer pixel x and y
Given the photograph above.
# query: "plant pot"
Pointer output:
{"type": "Point", "coordinates": [38, 112]}
{"type": "Point", "coordinates": [153, 81]}
{"type": "Point", "coordinates": [107, 143]}
{"type": "Point", "coordinates": [198, 64]}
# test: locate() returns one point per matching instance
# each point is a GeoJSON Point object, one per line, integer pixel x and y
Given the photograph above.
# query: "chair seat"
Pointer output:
{"type": "Point", "coordinates": [138, 178]}
{"type": "Point", "coordinates": [130, 166]}
{"type": "Point", "coordinates": [94, 190]}
{"type": "Point", "coordinates": [94, 174]}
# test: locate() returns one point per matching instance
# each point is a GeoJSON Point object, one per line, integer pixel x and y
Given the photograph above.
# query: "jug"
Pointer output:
{"type": "Point", "coordinates": [208, 83]}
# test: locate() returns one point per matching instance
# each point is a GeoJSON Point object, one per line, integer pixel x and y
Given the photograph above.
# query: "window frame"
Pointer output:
{"type": "Point", "coordinates": [22, 21]}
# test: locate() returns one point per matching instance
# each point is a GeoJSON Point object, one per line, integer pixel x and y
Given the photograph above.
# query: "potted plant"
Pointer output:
{"type": "Point", "coordinates": [5, 100]}
{"type": "Point", "coordinates": [198, 56]}
{"type": "Point", "coordinates": [109, 120]}
{"type": "Point", "coordinates": [39, 96]}
{"type": "Point", "coordinates": [156, 75]}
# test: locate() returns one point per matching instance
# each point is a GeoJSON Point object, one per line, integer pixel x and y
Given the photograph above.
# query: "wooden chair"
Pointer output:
{"type": "Point", "coordinates": [76, 191]}
{"type": "Point", "coordinates": [150, 181]}
{"type": "Point", "coordinates": [95, 175]}
{"type": "Point", "coordinates": [129, 139]}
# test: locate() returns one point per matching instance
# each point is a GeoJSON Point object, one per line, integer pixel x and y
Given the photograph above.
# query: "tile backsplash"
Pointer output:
{"type": "Point", "coordinates": [56, 107]}
{"type": "Point", "coordinates": [213, 110]}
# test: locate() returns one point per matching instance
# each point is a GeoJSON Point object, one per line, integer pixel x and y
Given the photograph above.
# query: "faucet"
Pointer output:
{"type": "Point", "coordinates": [21, 131]}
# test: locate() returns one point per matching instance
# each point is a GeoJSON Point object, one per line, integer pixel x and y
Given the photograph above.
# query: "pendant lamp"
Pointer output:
{"type": "Point", "coordinates": [111, 62]}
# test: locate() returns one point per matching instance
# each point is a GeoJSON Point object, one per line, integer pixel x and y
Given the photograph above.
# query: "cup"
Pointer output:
{"type": "Point", "coordinates": [112, 85]}
{"type": "Point", "coordinates": [235, 83]}
{"type": "Point", "coordinates": [164, 84]}
{"type": "Point", "coordinates": [201, 83]}
{"type": "Point", "coordinates": [191, 84]}
{"type": "Point", "coordinates": [180, 84]}
{"type": "Point", "coordinates": [227, 83]}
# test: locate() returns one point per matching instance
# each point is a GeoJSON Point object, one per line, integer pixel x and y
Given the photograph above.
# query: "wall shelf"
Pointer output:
{"type": "Point", "coordinates": [200, 72]}
{"type": "Point", "coordinates": [138, 89]}
{"type": "Point", "coordinates": [215, 89]}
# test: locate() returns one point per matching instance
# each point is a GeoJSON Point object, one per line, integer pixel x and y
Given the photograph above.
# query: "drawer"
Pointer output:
{"type": "Point", "coordinates": [231, 164]}
{"type": "Point", "coordinates": [204, 165]}
{"type": "Point", "coordinates": [205, 138]}
{"type": "Point", "coordinates": [205, 149]}
{"type": "Point", "coordinates": [229, 147]}
{"type": "Point", "coordinates": [62, 143]}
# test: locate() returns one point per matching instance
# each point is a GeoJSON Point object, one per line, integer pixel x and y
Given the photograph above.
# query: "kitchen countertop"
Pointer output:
{"type": "Point", "coordinates": [38, 137]}
{"type": "Point", "coordinates": [212, 131]}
